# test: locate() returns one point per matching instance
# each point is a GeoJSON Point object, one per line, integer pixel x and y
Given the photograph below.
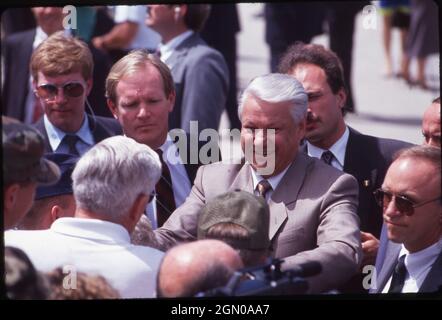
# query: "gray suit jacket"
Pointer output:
{"type": "Point", "coordinates": [312, 216]}
{"type": "Point", "coordinates": [432, 282]}
{"type": "Point", "coordinates": [201, 80]}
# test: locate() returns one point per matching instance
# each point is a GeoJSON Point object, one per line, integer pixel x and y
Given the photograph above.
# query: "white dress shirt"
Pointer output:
{"type": "Point", "coordinates": [95, 247]}
{"type": "Point", "coordinates": [55, 136]}
{"type": "Point", "coordinates": [274, 181]}
{"type": "Point", "coordinates": [338, 150]}
{"type": "Point", "coordinates": [418, 266]}
{"type": "Point", "coordinates": [145, 37]}
{"type": "Point", "coordinates": [181, 184]}
{"type": "Point", "coordinates": [168, 48]}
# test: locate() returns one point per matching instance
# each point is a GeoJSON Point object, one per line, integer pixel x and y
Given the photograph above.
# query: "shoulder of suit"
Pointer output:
{"type": "Point", "coordinates": [109, 124]}
{"type": "Point", "coordinates": [222, 168]}
{"type": "Point", "coordinates": [318, 166]}
{"type": "Point", "coordinates": [385, 145]}
{"type": "Point", "coordinates": [18, 37]}
{"type": "Point", "coordinates": [199, 48]}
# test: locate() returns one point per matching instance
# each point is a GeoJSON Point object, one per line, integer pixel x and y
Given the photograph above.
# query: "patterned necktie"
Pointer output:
{"type": "Point", "coordinates": [165, 201]}
{"type": "Point", "coordinates": [399, 274]}
{"type": "Point", "coordinates": [327, 157]}
{"type": "Point", "coordinates": [263, 187]}
{"type": "Point", "coordinates": [70, 140]}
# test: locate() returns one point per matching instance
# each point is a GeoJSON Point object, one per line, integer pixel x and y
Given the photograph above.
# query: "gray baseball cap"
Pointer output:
{"type": "Point", "coordinates": [23, 149]}
{"type": "Point", "coordinates": [241, 208]}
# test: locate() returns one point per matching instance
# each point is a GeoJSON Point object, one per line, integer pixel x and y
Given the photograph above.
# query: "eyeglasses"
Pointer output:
{"type": "Point", "coordinates": [49, 91]}
{"type": "Point", "coordinates": [402, 203]}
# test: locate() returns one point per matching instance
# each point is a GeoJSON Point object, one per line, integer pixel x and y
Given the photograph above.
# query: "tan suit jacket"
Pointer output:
{"type": "Point", "coordinates": [313, 216]}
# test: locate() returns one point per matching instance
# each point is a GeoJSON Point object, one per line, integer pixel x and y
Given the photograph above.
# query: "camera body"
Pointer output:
{"type": "Point", "coordinates": [266, 280]}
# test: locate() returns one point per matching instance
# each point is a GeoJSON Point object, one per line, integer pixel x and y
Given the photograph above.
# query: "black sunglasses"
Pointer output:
{"type": "Point", "coordinates": [402, 203]}
{"type": "Point", "coordinates": [50, 91]}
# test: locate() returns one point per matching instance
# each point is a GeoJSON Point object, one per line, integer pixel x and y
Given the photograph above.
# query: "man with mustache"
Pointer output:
{"type": "Point", "coordinates": [329, 138]}
{"type": "Point", "coordinates": [431, 124]}
{"type": "Point", "coordinates": [62, 69]}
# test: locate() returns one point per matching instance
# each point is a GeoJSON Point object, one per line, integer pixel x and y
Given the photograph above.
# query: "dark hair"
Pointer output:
{"type": "Point", "coordinates": [196, 16]}
{"type": "Point", "coordinates": [318, 55]}
{"type": "Point", "coordinates": [437, 100]}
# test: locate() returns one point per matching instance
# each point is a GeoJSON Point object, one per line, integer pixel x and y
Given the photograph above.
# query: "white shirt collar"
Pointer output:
{"type": "Point", "coordinates": [40, 36]}
{"type": "Point", "coordinates": [55, 135]}
{"type": "Point", "coordinates": [168, 48]}
{"type": "Point", "coordinates": [91, 229]}
{"type": "Point", "coordinates": [418, 262]}
{"type": "Point", "coordinates": [274, 180]}
{"type": "Point", "coordinates": [338, 150]}
{"type": "Point", "coordinates": [171, 153]}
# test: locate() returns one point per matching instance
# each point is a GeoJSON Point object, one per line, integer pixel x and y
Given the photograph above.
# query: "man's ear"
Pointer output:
{"type": "Point", "coordinates": [341, 97]}
{"type": "Point", "coordinates": [171, 100]}
{"type": "Point", "coordinates": [55, 213]}
{"type": "Point", "coordinates": [112, 107]}
{"type": "Point", "coordinates": [10, 196]}
{"type": "Point", "coordinates": [301, 128]}
{"type": "Point", "coordinates": [89, 84]}
{"type": "Point", "coordinates": [137, 209]}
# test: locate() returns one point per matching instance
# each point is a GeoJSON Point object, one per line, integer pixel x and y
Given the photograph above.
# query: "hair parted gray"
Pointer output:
{"type": "Point", "coordinates": [275, 88]}
{"type": "Point", "coordinates": [112, 174]}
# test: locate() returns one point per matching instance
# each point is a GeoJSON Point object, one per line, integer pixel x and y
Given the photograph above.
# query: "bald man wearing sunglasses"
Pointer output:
{"type": "Point", "coordinates": [62, 69]}
{"type": "Point", "coordinates": [412, 209]}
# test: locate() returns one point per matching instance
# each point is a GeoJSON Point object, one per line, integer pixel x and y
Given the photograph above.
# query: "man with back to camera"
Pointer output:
{"type": "Point", "coordinates": [108, 206]}
{"type": "Point", "coordinates": [23, 169]}
{"type": "Point", "coordinates": [54, 201]}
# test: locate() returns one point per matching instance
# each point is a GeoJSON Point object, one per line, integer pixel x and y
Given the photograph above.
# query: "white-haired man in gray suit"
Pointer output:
{"type": "Point", "coordinates": [112, 184]}
{"type": "Point", "coordinates": [312, 205]}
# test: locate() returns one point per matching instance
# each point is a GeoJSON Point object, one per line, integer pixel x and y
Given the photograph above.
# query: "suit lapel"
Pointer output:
{"type": "Point", "coordinates": [391, 256]}
{"type": "Point", "coordinates": [433, 281]}
{"type": "Point", "coordinates": [355, 162]}
{"type": "Point", "coordinates": [39, 125]}
{"type": "Point", "coordinates": [243, 180]}
{"type": "Point", "coordinates": [181, 51]}
{"type": "Point", "coordinates": [284, 194]}
{"type": "Point", "coordinates": [98, 132]}
{"type": "Point", "coordinates": [287, 192]}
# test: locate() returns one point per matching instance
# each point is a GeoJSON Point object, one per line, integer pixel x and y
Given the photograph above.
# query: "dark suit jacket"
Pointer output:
{"type": "Point", "coordinates": [101, 128]}
{"type": "Point", "coordinates": [17, 51]}
{"type": "Point", "coordinates": [367, 158]}
{"type": "Point", "coordinates": [432, 283]}
{"type": "Point", "coordinates": [201, 82]}
{"type": "Point", "coordinates": [312, 216]}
